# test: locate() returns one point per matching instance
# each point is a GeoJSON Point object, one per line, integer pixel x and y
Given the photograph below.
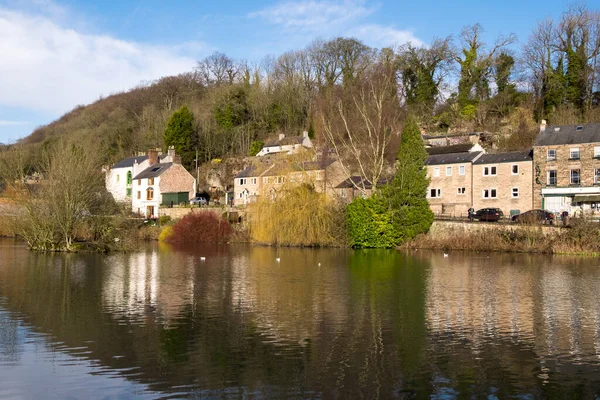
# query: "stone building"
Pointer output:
{"type": "Point", "coordinates": [286, 145]}
{"type": "Point", "coordinates": [567, 168]}
{"type": "Point", "coordinates": [451, 182]}
{"type": "Point", "coordinates": [504, 180]}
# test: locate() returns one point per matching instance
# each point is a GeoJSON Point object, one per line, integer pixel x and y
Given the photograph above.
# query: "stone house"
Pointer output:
{"type": "Point", "coordinates": [286, 145]}
{"type": "Point", "coordinates": [268, 179]}
{"type": "Point", "coordinates": [567, 168]}
{"type": "Point", "coordinates": [451, 182]}
{"type": "Point", "coordinates": [451, 139]}
{"type": "Point", "coordinates": [505, 181]}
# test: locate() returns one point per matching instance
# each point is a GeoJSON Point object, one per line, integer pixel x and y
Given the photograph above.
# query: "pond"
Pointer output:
{"type": "Point", "coordinates": [231, 321]}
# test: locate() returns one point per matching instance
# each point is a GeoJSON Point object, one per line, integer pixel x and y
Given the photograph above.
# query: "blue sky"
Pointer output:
{"type": "Point", "coordinates": [58, 54]}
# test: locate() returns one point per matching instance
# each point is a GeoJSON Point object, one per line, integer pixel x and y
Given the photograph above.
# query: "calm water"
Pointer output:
{"type": "Point", "coordinates": [369, 324]}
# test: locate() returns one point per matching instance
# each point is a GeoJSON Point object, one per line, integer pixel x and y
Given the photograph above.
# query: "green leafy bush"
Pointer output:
{"type": "Point", "coordinates": [370, 224]}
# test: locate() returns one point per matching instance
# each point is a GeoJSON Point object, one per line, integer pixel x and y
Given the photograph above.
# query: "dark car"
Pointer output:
{"type": "Point", "coordinates": [534, 217]}
{"type": "Point", "coordinates": [488, 214]}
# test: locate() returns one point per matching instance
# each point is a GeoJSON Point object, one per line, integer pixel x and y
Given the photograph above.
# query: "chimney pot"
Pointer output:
{"type": "Point", "coordinates": [171, 152]}
{"type": "Point", "coordinates": [543, 126]}
{"type": "Point", "coordinates": [281, 136]}
{"type": "Point", "coordinates": [305, 134]}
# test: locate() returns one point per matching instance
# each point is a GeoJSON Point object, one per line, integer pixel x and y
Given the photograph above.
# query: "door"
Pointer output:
{"type": "Point", "coordinates": [150, 212]}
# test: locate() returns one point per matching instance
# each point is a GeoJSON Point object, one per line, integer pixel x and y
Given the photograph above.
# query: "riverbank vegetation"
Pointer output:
{"type": "Point", "coordinates": [298, 216]}
{"type": "Point", "coordinates": [580, 238]}
{"type": "Point", "coordinates": [201, 227]}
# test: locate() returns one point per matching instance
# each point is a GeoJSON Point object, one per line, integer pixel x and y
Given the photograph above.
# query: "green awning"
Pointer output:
{"type": "Point", "coordinates": [587, 198]}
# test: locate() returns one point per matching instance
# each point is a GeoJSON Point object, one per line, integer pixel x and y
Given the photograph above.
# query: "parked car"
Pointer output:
{"type": "Point", "coordinates": [198, 201]}
{"type": "Point", "coordinates": [489, 214]}
{"type": "Point", "coordinates": [534, 217]}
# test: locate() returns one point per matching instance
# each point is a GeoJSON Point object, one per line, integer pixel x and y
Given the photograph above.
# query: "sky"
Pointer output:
{"type": "Point", "coordinates": [55, 55]}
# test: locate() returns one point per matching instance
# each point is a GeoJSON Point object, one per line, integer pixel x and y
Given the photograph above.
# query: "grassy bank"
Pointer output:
{"type": "Point", "coordinates": [581, 238]}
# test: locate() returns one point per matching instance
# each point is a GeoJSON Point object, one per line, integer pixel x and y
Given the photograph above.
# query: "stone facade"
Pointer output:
{"type": "Point", "coordinates": [450, 188]}
{"type": "Point", "coordinates": [512, 183]}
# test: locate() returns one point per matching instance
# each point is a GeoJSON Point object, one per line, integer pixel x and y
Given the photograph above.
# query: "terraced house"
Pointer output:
{"type": "Point", "coordinates": [567, 168]}
{"type": "Point", "coordinates": [505, 181]}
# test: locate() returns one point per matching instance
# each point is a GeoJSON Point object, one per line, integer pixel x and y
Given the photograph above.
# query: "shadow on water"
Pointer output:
{"type": "Point", "coordinates": [233, 321]}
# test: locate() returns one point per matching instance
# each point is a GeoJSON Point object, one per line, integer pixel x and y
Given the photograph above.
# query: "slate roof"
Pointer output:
{"type": "Point", "coordinates": [128, 162]}
{"type": "Point", "coordinates": [426, 137]}
{"type": "Point", "coordinates": [513, 156]}
{"type": "Point", "coordinates": [247, 172]}
{"type": "Point", "coordinates": [453, 158]}
{"type": "Point", "coordinates": [569, 134]}
{"type": "Point", "coordinates": [153, 171]}
{"type": "Point", "coordinates": [455, 148]}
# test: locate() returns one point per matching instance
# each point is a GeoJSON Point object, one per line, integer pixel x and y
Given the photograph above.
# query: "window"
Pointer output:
{"type": "Point", "coordinates": [489, 193]}
{"type": "Point", "coordinates": [139, 195]}
{"type": "Point", "coordinates": [515, 193]}
{"type": "Point", "coordinates": [129, 177]}
{"type": "Point", "coordinates": [150, 181]}
{"type": "Point", "coordinates": [128, 190]}
{"type": "Point", "coordinates": [461, 190]}
{"type": "Point", "coordinates": [574, 153]}
{"type": "Point", "coordinates": [343, 193]}
{"type": "Point", "coordinates": [149, 194]}
{"type": "Point", "coordinates": [489, 171]}
{"type": "Point", "coordinates": [448, 171]}
{"type": "Point", "coordinates": [597, 176]}
{"type": "Point", "coordinates": [552, 178]}
{"type": "Point", "coordinates": [281, 179]}
{"type": "Point", "coordinates": [139, 182]}
{"type": "Point", "coordinates": [435, 193]}
{"type": "Point", "coordinates": [551, 154]}
{"type": "Point", "coordinates": [117, 178]}
{"type": "Point", "coordinates": [243, 181]}
{"type": "Point", "coordinates": [596, 151]}
{"type": "Point", "coordinates": [436, 172]}
{"type": "Point", "coordinates": [575, 177]}
{"type": "Point", "coordinates": [515, 169]}
{"type": "Point", "coordinates": [253, 181]}
{"type": "Point", "coordinates": [461, 170]}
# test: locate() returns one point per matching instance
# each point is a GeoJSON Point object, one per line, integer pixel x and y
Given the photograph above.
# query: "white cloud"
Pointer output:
{"type": "Point", "coordinates": [4, 122]}
{"type": "Point", "coordinates": [49, 68]}
{"type": "Point", "coordinates": [384, 36]}
{"type": "Point", "coordinates": [314, 15]}
{"type": "Point", "coordinates": [328, 18]}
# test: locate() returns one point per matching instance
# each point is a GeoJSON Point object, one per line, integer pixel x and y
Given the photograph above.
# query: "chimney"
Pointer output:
{"type": "Point", "coordinates": [305, 134]}
{"type": "Point", "coordinates": [543, 126]}
{"type": "Point", "coordinates": [152, 156]}
{"type": "Point", "coordinates": [281, 136]}
{"type": "Point", "coordinates": [176, 159]}
{"type": "Point", "coordinates": [171, 152]}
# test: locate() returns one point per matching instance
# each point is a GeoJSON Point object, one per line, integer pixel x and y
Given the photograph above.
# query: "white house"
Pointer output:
{"type": "Point", "coordinates": [286, 144]}
{"type": "Point", "coordinates": [119, 177]}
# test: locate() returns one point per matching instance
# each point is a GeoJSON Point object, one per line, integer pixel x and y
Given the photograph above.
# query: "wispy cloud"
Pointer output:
{"type": "Point", "coordinates": [314, 15]}
{"type": "Point", "coordinates": [51, 68]}
{"type": "Point", "coordinates": [4, 122]}
{"type": "Point", "coordinates": [381, 36]}
{"type": "Point", "coordinates": [326, 18]}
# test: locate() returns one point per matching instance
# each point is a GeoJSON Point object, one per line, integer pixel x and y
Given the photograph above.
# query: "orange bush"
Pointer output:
{"type": "Point", "coordinates": [201, 227]}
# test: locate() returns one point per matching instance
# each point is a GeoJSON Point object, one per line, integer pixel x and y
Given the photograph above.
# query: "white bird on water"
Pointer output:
{"type": "Point", "coordinates": [319, 264]}
{"type": "Point", "coordinates": [445, 255]}
{"type": "Point", "coordinates": [202, 258]}
{"type": "Point", "coordinates": [278, 259]}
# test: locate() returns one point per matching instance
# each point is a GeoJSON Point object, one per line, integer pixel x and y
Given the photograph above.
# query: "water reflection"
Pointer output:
{"type": "Point", "coordinates": [362, 324]}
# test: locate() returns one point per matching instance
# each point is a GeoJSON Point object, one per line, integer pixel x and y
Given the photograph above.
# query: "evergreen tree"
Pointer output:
{"type": "Point", "coordinates": [407, 193]}
{"type": "Point", "coordinates": [180, 134]}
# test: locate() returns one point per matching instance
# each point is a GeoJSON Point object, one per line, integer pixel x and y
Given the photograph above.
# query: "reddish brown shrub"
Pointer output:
{"type": "Point", "coordinates": [200, 227]}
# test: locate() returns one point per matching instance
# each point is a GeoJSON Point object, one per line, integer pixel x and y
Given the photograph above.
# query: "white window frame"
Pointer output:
{"type": "Point", "coordinates": [572, 150]}
{"type": "Point", "coordinates": [253, 181]}
{"type": "Point", "coordinates": [461, 169]}
{"type": "Point", "coordinates": [512, 193]}
{"type": "Point", "coordinates": [549, 157]}
{"type": "Point", "coordinates": [449, 170]}
{"type": "Point", "coordinates": [578, 176]}
{"type": "Point", "coordinates": [487, 171]}
{"type": "Point", "coordinates": [461, 191]}
{"type": "Point", "coordinates": [489, 193]}
{"type": "Point", "coordinates": [436, 172]}
{"type": "Point", "coordinates": [597, 175]}
{"type": "Point", "coordinates": [512, 169]}
{"type": "Point", "coordinates": [596, 151]}
{"type": "Point", "coordinates": [438, 193]}
{"type": "Point", "coordinates": [243, 181]}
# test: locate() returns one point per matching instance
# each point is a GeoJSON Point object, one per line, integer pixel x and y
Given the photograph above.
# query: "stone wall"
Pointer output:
{"type": "Point", "coordinates": [444, 228]}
